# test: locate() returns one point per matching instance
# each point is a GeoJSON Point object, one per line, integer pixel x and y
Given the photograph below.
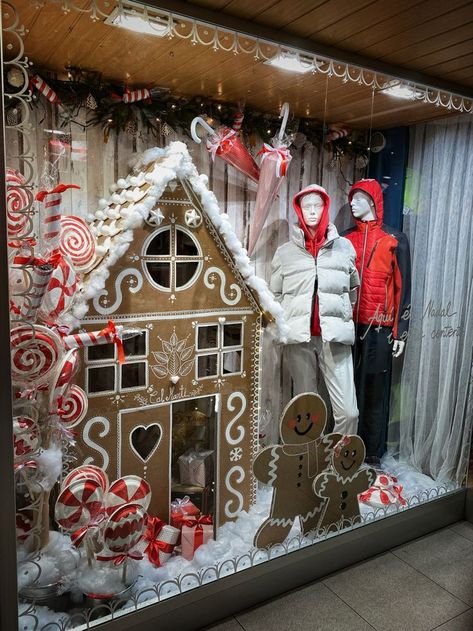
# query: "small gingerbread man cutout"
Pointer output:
{"type": "Point", "coordinates": [290, 469]}
{"type": "Point", "coordinates": [341, 485]}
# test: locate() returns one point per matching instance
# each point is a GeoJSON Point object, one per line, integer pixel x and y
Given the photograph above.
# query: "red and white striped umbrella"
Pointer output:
{"type": "Point", "coordinates": [128, 489]}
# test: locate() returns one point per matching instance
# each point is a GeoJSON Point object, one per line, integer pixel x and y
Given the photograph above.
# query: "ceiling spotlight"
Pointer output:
{"type": "Point", "coordinates": [133, 21]}
{"type": "Point", "coordinates": [291, 61]}
{"type": "Point", "coordinates": [400, 90]}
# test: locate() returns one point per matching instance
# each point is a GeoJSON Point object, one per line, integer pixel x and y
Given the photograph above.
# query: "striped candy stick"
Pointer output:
{"type": "Point", "coordinates": [111, 334]}
{"type": "Point", "coordinates": [238, 120]}
{"type": "Point", "coordinates": [51, 215]}
{"type": "Point", "coordinates": [44, 89]}
{"type": "Point", "coordinates": [40, 277]}
{"type": "Point", "coordinates": [132, 96]}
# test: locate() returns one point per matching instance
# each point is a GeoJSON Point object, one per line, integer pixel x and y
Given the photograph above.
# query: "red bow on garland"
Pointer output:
{"type": "Point", "coordinates": [110, 331]}
{"type": "Point", "coordinates": [155, 546]}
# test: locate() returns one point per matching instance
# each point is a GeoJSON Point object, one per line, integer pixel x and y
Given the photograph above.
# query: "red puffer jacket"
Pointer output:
{"type": "Point", "coordinates": [383, 263]}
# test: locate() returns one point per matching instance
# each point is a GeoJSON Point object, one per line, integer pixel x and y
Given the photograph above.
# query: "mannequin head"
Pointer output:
{"type": "Point", "coordinates": [362, 206]}
{"type": "Point", "coordinates": [312, 206]}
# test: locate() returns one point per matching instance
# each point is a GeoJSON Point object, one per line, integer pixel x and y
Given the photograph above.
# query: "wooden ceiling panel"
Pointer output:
{"type": "Point", "coordinates": [139, 60]}
{"type": "Point", "coordinates": [431, 60]}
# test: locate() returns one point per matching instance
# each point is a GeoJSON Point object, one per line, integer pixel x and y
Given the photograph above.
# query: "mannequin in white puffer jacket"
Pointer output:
{"type": "Point", "coordinates": [314, 277]}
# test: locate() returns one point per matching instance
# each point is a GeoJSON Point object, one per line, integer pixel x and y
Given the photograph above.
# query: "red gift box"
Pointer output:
{"type": "Point", "coordinates": [195, 532]}
{"type": "Point", "coordinates": [182, 509]}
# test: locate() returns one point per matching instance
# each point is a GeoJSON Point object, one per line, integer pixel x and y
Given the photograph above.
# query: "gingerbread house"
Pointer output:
{"type": "Point", "coordinates": [182, 411]}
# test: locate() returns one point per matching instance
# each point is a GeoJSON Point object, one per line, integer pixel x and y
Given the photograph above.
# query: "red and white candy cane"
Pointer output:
{"type": "Point", "coordinates": [44, 89]}
{"type": "Point", "coordinates": [50, 214]}
{"type": "Point", "coordinates": [79, 503]}
{"type": "Point", "coordinates": [73, 406]}
{"type": "Point", "coordinates": [77, 242]}
{"type": "Point", "coordinates": [87, 471]}
{"type": "Point", "coordinates": [65, 373]}
{"type": "Point", "coordinates": [128, 489]}
{"type": "Point", "coordinates": [238, 120]}
{"type": "Point", "coordinates": [132, 96]}
{"type": "Point", "coordinates": [60, 290]}
{"type": "Point", "coordinates": [111, 334]}
{"type": "Point", "coordinates": [40, 277]}
{"type": "Point", "coordinates": [34, 353]}
{"type": "Point", "coordinates": [19, 200]}
{"type": "Point", "coordinates": [26, 436]}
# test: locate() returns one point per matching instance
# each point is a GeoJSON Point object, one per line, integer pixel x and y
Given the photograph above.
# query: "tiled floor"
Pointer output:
{"type": "Point", "coordinates": [421, 586]}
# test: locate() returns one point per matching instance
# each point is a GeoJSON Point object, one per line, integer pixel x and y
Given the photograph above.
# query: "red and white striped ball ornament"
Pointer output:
{"type": "Point", "coordinates": [124, 528]}
{"type": "Point", "coordinates": [77, 242]}
{"type": "Point", "coordinates": [79, 503]}
{"type": "Point", "coordinates": [60, 291]}
{"type": "Point", "coordinates": [19, 200]}
{"type": "Point", "coordinates": [35, 351]}
{"type": "Point", "coordinates": [128, 489]}
{"type": "Point", "coordinates": [73, 406]}
{"type": "Point", "coordinates": [87, 472]}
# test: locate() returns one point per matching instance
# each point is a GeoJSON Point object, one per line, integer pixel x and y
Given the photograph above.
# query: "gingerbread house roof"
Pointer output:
{"type": "Point", "coordinates": [133, 201]}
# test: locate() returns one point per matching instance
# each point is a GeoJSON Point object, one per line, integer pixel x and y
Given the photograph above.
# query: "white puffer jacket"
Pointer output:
{"type": "Point", "coordinates": [293, 275]}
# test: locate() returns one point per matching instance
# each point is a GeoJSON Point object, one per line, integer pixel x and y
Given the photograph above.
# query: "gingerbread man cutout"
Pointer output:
{"type": "Point", "coordinates": [290, 469]}
{"type": "Point", "coordinates": [341, 485]}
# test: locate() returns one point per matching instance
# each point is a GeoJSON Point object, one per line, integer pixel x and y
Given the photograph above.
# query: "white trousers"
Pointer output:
{"type": "Point", "coordinates": [336, 364]}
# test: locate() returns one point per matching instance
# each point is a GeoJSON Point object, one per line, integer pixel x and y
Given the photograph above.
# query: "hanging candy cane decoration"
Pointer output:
{"type": "Point", "coordinates": [63, 379]}
{"type": "Point", "coordinates": [238, 121]}
{"type": "Point", "coordinates": [18, 201]}
{"type": "Point", "coordinates": [60, 290]}
{"type": "Point", "coordinates": [133, 96]}
{"type": "Point", "coordinates": [51, 214]}
{"type": "Point", "coordinates": [44, 89]}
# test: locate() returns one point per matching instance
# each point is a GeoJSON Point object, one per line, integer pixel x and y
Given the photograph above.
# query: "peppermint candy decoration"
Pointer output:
{"type": "Point", "coordinates": [18, 201]}
{"type": "Point", "coordinates": [79, 503]}
{"type": "Point", "coordinates": [131, 489]}
{"type": "Point", "coordinates": [64, 376]}
{"type": "Point", "coordinates": [26, 436]}
{"type": "Point", "coordinates": [77, 242]}
{"type": "Point", "coordinates": [124, 528]}
{"type": "Point", "coordinates": [74, 406]}
{"type": "Point", "coordinates": [34, 353]}
{"type": "Point", "coordinates": [60, 291]}
{"type": "Point", "coordinates": [24, 522]}
{"type": "Point", "coordinates": [384, 492]}
{"type": "Point", "coordinates": [87, 472]}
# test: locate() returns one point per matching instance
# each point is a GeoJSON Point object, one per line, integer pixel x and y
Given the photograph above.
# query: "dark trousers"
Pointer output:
{"type": "Point", "coordinates": [372, 361]}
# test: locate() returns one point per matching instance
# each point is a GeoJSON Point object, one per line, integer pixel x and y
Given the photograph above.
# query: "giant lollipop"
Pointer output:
{"type": "Point", "coordinates": [226, 144]}
{"type": "Point", "coordinates": [274, 164]}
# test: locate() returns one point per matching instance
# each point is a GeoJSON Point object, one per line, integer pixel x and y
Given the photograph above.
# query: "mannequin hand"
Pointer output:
{"type": "Point", "coordinates": [398, 348]}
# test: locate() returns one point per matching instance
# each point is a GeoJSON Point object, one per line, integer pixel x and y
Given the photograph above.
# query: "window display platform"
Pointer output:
{"type": "Point", "coordinates": [241, 589]}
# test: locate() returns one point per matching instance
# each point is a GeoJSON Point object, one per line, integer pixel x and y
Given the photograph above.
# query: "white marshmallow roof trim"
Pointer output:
{"type": "Point", "coordinates": [174, 163]}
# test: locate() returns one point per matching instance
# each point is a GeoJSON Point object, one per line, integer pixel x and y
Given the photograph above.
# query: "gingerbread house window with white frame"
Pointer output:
{"type": "Point", "coordinates": [170, 266]}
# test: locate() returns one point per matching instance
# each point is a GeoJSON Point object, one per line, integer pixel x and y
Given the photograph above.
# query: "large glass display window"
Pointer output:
{"type": "Point", "coordinates": [239, 299]}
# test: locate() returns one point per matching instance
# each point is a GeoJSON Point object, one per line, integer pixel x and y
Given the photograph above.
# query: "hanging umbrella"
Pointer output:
{"type": "Point", "coordinates": [225, 143]}
{"type": "Point", "coordinates": [274, 163]}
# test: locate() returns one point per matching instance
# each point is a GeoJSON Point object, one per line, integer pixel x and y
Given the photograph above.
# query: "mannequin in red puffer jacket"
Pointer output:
{"type": "Point", "coordinates": [382, 310]}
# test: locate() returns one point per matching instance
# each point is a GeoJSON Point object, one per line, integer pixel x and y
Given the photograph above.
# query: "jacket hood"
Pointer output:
{"type": "Point", "coordinates": [374, 190]}
{"type": "Point", "coordinates": [324, 220]}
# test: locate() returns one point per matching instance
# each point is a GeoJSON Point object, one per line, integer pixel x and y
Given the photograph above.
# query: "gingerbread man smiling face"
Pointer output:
{"type": "Point", "coordinates": [348, 455]}
{"type": "Point", "coordinates": [303, 421]}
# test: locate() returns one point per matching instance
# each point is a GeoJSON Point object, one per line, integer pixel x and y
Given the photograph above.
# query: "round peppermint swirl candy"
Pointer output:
{"type": "Point", "coordinates": [77, 242]}
{"type": "Point", "coordinates": [74, 406]}
{"type": "Point", "coordinates": [19, 200]}
{"type": "Point", "coordinates": [35, 351]}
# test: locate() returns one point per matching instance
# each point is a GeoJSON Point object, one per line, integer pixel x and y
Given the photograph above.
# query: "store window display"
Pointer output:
{"type": "Point", "coordinates": [382, 310]}
{"type": "Point", "coordinates": [315, 279]}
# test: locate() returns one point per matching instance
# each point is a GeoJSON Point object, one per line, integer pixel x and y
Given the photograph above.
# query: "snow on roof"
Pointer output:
{"type": "Point", "coordinates": [132, 202]}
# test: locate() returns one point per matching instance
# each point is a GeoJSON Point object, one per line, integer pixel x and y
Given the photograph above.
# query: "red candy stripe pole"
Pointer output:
{"type": "Point", "coordinates": [51, 214]}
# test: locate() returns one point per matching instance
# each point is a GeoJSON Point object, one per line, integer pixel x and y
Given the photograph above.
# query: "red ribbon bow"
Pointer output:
{"type": "Point", "coordinates": [282, 155]}
{"type": "Point", "coordinates": [77, 537]}
{"type": "Point", "coordinates": [155, 546]}
{"type": "Point", "coordinates": [60, 188]}
{"type": "Point", "coordinates": [110, 331]}
{"type": "Point", "coordinates": [220, 142]}
{"type": "Point", "coordinates": [198, 524]}
{"type": "Point", "coordinates": [27, 464]}
{"type": "Point", "coordinates": [119, 558]}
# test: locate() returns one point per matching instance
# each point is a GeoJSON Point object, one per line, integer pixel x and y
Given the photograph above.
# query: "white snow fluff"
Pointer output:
{"type": "Point", "coordinates": [50, 466]}
{"type": "Point", "coordinates": [171, 163]}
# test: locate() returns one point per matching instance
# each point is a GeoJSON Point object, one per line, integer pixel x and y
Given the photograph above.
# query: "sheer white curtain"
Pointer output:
{"type": "Point", "coordinates": [434, 406]}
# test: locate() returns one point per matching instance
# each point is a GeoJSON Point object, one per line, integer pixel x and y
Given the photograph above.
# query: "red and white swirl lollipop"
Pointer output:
{"type": "Point", "coordinates": [19, 200]}
{"type": "Point", "coordinates": [87, 471]}
{"type": "Point", "coordinates": [74, 406]}
{"type": "Point", "coordinates": [130, 489]}
{"type": "Point", "coordinates": [124, 528]}
{"type": "Point", "coordinates": [34, 353]}
{"type": "Point", "coordinates": [79, 503]}
{"type": "Point", "coordinates": [63, 379]}
{"type": "Point", "coordinates": [77, 242]}
{"type": "Point", "coordinates": [26, 436]}
{"type": "Point", "coordinates": [60, 290]}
